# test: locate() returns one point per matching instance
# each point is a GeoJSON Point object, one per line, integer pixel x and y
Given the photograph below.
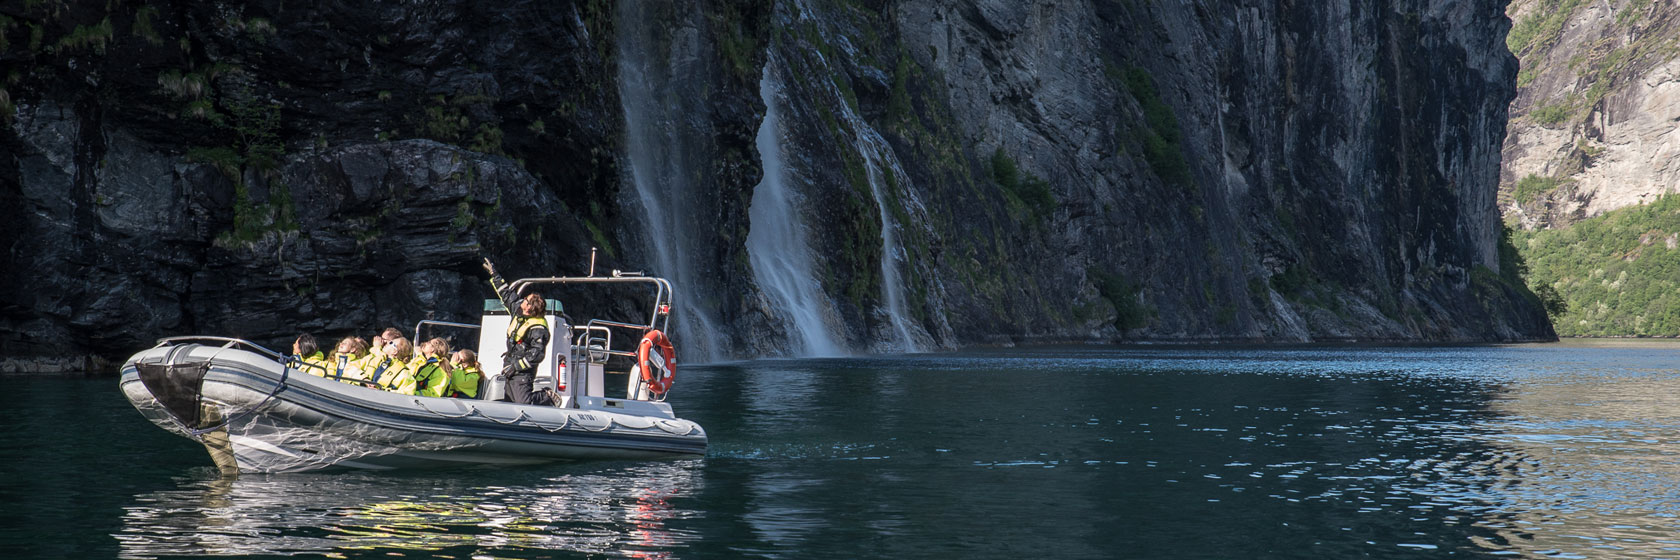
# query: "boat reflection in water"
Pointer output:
{"type": "Point", "coordinates": [596, 509]}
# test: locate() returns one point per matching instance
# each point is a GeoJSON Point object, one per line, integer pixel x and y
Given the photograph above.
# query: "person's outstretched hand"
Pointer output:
{"type": "Point", "coordinates": [489, 267]}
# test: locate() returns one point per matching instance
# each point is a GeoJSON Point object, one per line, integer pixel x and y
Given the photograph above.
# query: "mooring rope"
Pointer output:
{"type": "Point", "coordinates": [556, 429]}
{"type": "Point", "coordinates": [471, 410]}
{"type": "Point", "coordinates": [515, 419]}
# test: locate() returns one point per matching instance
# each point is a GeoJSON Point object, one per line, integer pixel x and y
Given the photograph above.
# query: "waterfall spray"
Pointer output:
{"type": "Point", "coordinates": [879, 159]}
{"type": "Point", "coordinates": [662, 150]}
{"type": "Point", "coordinates": [777, 243]}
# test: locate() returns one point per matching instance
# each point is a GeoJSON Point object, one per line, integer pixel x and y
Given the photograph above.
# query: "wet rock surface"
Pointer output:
{"type": "Point", "coordinates": [1264, 172]}
{"type": "Point", "coordinates": [259, 170]}
{"type": "Point", "coordinates": [1051, 171]}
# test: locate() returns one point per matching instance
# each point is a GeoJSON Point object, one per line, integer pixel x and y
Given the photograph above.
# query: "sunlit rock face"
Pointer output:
{"type": "Point", "coordinates": [964, 172]}
{"type": "Point", "coordinates": [1593, 125]}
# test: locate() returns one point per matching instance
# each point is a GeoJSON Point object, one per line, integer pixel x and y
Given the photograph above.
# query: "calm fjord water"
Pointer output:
{"type": "Point", "coordinates": [1558, 450]}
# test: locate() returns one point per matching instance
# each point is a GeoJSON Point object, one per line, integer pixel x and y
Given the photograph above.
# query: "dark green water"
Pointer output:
{"type": "Point", "coordinates": [1554, 450]}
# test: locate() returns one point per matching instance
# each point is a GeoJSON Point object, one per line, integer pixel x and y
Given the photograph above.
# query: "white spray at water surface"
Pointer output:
{"type": "Point", "coordinates": [777, 243]}
{"type": "Point", "coordinates": [663, 147]}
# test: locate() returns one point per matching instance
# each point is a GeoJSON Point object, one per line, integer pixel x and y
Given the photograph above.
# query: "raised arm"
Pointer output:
{"type": "Point", "coordinates": [503, 290]}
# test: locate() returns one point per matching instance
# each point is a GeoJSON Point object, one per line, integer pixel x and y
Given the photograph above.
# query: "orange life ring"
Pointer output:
{"type": "Point", "coordinates": [666, 361]}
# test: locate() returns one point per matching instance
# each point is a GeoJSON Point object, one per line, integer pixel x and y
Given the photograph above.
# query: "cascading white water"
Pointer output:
{"type": "Point", "coordinates": [657, 144]}
{"type": "Point", "coordinates": [878, 158]}
{"type": "Point", "coordinates": [777, 243]}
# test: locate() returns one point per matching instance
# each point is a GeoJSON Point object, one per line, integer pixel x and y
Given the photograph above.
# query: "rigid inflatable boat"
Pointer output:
{"type": "Point", "coordinates": [256, 413]}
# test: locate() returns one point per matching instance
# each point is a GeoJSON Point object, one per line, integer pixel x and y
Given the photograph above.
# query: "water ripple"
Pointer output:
{"type": "Point", "coordinates": [1312, 452]}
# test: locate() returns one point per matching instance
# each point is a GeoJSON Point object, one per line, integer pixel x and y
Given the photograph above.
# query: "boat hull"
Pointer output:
{"type": "Point", "coordinates": [256, 415]}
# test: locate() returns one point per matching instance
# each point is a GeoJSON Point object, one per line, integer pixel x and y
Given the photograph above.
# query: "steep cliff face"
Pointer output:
{"type": "Point", "coordinates": [1593, 126]}
{"type": "Point", "coordinates": [262, 169]}
{"type": "Point", "coordinates": [1169, 171]}
{"type": "Point", "coordinates": [1592, 159]}
{"type": "Point", "coordinates": [960, 171]}
{"type": "Point", "coordinates": [687, 85]}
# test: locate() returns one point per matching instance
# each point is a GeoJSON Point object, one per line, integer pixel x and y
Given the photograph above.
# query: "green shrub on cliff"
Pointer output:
{"type": "Point", "coordinates": [1614, 275]}
{"type": "Point", "coordinates": [1542, 26]}
{"type": "Point", "coordinates": [1160, 137]}
{"type": "Point", "coordinates": [6, 24]}
{"type": "Point", "coordinates": [143, 26]}
{"type": "Point", "coordinates": [737, 39]}
{"type": "Point", "coordinates": [254, 127]}
{"type": "Point", "coordinates": [1553, 114]}
{"type": "Point", "coordinates": [88, 36]}
{"type": "Point", "coordinates": [448, 119]}
{"type": "Point", "coordinates": [898, 103]}
{"type": "Point", "coordinates": [1534, 185]}
{"type": "Point", "coordinates": [1129, 313]}
{"type": "Point", "coordinates": [1632, 11]}
{"type": "Point", "coordinates": [1028, 189]}
{"type": "Point", "coordinates": [256, 123]}
{"type": "Point", "coordinates": [222, 158]}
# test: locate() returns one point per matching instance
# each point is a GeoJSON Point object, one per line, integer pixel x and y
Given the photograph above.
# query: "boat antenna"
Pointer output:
{"type": "Point", "coordinates": [592, 262]}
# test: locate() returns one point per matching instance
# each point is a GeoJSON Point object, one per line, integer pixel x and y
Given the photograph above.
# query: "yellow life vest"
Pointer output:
{"type": "Point", "coordinates": [405, 382]}
{"type": "Point", "coordinates": [346, 368]}
{"type": "Point", "coordinates": [463, 382]}
{"type": "Point", "coordinates": [429, 379]}
{"type": "Point", "coordinates": [521, 325]}
{"type": "Point", "coordinates": [388, 373]}
{"type": "Point", "coordinates": [313, 364]}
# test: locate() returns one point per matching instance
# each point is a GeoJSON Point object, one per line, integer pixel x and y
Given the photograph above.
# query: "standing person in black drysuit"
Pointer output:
{"type": "Point", "coordinates": [527, 339]}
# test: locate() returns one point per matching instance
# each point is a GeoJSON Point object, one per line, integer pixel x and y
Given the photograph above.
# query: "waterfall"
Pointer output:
{"type": "Point", "coordinates": [878, 159]}
{"type": "Point", "coordinates": [777, 242]}
{"type": "Point", "coordinates": [655, 70]}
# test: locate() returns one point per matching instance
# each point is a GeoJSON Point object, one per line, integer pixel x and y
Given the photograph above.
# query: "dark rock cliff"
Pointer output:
{"type": "Point", "coordinates": [260, 169]}
{"type": "Point", "coordinates": [1178, 171]}
{"type": "Point", "coordinates": [1026, 171]}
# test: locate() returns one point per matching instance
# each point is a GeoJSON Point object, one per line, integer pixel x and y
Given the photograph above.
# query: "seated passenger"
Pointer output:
{"type": "Point", "coordinates": [431, 369]}
{"type": "Point", "coordinates": [464, 378]}
{"type": "Point", "coordinates": [347, 360]}
{"type": "Point", "coordinates": [388, 366]}
{"type": "Point", "coordinates": [388, 335]}
{"type": "Point", "coordinates": [306, 356]}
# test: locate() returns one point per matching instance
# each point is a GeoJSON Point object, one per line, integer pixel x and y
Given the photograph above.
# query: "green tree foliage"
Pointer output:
{"type": "Point", "coordinates": [898, 104]}
{"type": "Point", "coordinates": [91, 37]}
{"type": "Point", "coordinates": [1614, 275]}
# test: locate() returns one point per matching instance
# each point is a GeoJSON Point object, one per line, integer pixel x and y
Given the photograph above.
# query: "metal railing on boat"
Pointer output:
{"type": "Point", "coordinates": [663, 292]}
{"type": "Point", "coordinates": [417, 327]}
{"type": "Point", "coordinates": [228, 342]}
